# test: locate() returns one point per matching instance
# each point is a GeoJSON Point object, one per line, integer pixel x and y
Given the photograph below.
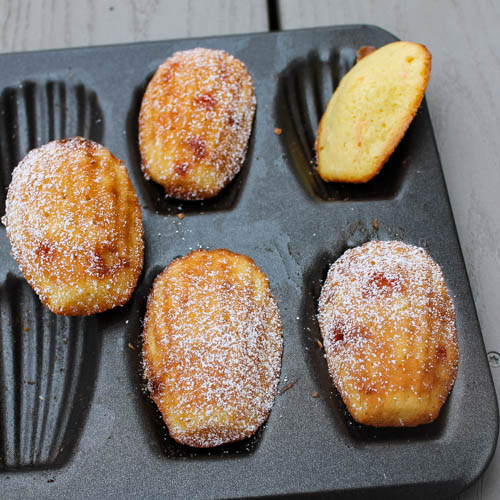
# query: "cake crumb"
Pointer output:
{"type": "Point", "coordinates": [364, 51]}
{"type": "Point", "coordinates": [315, 394]}
{"type": "Point", "coordinates": [319, 343]}
{"type": "Point", "coordinates": [375, 224]}
{"type": "Point", "coordinates": [288, 386]}
{"type": "Point", "coordinates": [278, 131]}
{"type": "Point", "coordinates": [131, 346]}
{"type": "Point", "coordinates": [180, 216]}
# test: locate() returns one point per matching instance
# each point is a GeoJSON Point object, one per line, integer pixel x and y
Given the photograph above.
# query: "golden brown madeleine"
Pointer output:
{"type": "Point", "coordinates": [74, 224]}
{"type": "Point", "coordinates": [370, 111]}
{"type": "Point", "coordinates": [212, 347]}
{"type": "Point", "coordinates": [195, 121]}
{"type": "Point", "coordinates": [388, 326]}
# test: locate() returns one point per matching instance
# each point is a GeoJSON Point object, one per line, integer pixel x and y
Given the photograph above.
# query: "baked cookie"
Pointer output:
{"type": "Point", "coordinates": [370, 111]}
{"type": "Point", "coordinates": [212, 347]}
{"type": "Point", "coordinates": [74, 224]}
{"type": "Point", "coordinates": [388, 327]}
{"type": "Point", "coordinates": [195, 121]}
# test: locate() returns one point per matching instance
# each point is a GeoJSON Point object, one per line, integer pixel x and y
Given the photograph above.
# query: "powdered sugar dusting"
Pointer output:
{"type": "Point", "coordinates": [75, 227]}
{"type": "Point", "coordinates": [388, 327]}
{"type": "Point", "coordinates": [195, 122]}
{"type": "Point", "coordinates": [212, 347]}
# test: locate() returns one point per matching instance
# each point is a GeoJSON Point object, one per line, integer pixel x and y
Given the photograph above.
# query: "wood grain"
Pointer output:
{"type": "Point", "coordinates": [463, 101]}
{"type": "Point", "coordinates": [47, 24]}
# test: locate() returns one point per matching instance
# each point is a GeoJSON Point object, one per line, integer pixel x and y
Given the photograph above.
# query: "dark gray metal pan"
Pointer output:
{"type": "Point", "coordinates": [74, 418]}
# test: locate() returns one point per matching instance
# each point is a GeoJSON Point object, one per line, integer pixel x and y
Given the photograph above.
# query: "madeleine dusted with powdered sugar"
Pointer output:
{"type": "Point", "coordinates": [195, 121]}
{"type": "Point", "coordinates": [388, 326]}
{"type": "Point", "coordinates": [74, 223]}
{"type": "Point", "coordinates": [212, 347]}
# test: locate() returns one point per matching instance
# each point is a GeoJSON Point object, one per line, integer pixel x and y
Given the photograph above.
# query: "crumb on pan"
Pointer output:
{"type": "Point", "coordinates": [363, 51]}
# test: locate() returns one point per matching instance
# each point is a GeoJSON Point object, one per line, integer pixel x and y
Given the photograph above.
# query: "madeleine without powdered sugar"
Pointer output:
{"type": "Point", "coordinates": [212, 347]}
{"type": "Point", "coordinates": [74, 224]}
{"type": "Point", "coordinates": [370, 111]}
{"type": "Point", "coordinates": [388, 326]}
{"type": "Point", "coordinates": [195, 121]}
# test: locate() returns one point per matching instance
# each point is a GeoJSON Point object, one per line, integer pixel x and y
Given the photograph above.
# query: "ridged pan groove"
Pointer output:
{"type": "Point", "coordinates": [48, 367]}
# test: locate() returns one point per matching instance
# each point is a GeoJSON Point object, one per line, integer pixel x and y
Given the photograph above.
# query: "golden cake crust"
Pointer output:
{"type": "Point", "coordinates": [74, 224]}
{"type": "Point", "coordinates": [195, 121]}
{"type": "Point", "coordinates": [388, 327]}
{"type": "Point", "coordinates": [370, 111]}
{"type": "Point", "coordinates": [212, 347]}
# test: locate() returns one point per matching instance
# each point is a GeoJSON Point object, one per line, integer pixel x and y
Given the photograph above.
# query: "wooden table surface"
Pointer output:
{"type": "Point", "coordinates": [462, 96]}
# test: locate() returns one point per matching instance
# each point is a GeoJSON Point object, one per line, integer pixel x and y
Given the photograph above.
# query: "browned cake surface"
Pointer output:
{"type": "Point", "coordinates": [212, 347]}
{"type": "Point", "coordinates": [195, 121]}
{"type": "Point", "coordinates": [74, 223]}
{"type": "Point", "coordinates": [388, 325]}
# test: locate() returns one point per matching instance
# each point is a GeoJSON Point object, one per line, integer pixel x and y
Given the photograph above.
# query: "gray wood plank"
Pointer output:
{"type": "Point", "coordinates": [47, 24]}
{"type": "Point", "coordinates": [463, 101]}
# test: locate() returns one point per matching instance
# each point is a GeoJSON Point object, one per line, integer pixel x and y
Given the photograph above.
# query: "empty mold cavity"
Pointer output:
{"type": "Point", "coordinates": [48, 368]}
{"type": "Point", "coordinates": [304, 90]}
{"type": "Point", "coordinates": [355, 235]}
{"type": "Point", "coordinates": [152, 420]}
{"type": "Point", "coordinates": [153, 193]}
{"type": "Point", "coordinates": [33, 114]}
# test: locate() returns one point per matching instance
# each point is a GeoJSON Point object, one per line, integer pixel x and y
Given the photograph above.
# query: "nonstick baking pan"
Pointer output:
{"type": "Point", "coordinates": [75, 419]}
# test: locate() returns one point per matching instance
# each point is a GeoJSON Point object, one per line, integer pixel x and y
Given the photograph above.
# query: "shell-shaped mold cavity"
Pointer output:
{"type": "Point", "coordinates": [48, 367]}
